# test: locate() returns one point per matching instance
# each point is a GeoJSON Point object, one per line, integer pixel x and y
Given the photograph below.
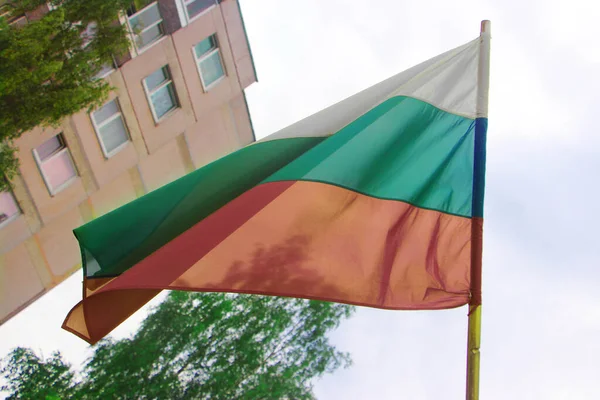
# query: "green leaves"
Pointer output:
{"type": "Point", "coordinates": [30, 377]}
{"type": "Point", "coordinates": [224, 346]}
{"type": "Point", "coordinates": [48, 67]}
{"type": "Point", "coordinates": [216, 346]}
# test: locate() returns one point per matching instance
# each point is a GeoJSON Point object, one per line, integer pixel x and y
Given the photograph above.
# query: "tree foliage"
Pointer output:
{"type": "Point", "coordinates": [203, 346]}
{"type": "Point", "coordinates": [48, 67]}
{"type": "Point", "coordinates": [30, 377]}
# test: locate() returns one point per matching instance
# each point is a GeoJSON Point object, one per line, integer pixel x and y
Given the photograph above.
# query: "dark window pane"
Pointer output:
{"type": "Point", "coordinates": [50, 147]}
{"type": "Point", "coordinates": [206, 46]}
{"type": "Point", "coordinates": [196, 7]}
{"type": "Point", "coordinates": [113, 134]}
{"type": "Point", "coordinates": [144, 39]}
{"type": "Point", "coordinates": [156, 78]}
{"type": "Point", "coordinates": [106, 111]}
{"type": "Point", "coordinates": [147, 17]}
{"type": "Point", "coordinates": [164, 100]}
{"type": "Point", "coordinates": [211, 69]}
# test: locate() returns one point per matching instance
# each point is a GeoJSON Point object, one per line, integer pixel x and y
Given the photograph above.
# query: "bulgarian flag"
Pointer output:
{"type": "Point", "coordinates": [375, 201]}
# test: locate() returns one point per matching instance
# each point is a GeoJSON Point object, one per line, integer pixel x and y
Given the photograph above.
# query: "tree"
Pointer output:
{"type": "Point", "coordinates": [217, 346]}
{"type": "Point", "coordinates": [29, 377]}
{"type": "Point", "coordinates": [48, 67]}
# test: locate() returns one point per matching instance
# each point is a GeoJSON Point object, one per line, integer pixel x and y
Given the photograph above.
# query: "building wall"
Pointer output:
{"type": "Point", "coordinates": [37, 247]}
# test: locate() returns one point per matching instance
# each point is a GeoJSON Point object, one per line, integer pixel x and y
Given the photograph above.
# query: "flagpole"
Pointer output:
{"type": "Point", "coordinates": [474, 329]}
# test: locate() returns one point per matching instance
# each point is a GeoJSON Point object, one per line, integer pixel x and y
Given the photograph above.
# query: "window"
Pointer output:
{"type": "Point", "coordinates": [161, 92]}
{"type": "Point", "coordinates": [8, 207]}
{"type": "Point", "coordinates": [193, 8]}
{"type": "Point", "coordinates": [146, 25]}
{"type": "Point", "coordinates": [54, 161]}
{"type": "Point", "coordinates": [209, 62]}
{"type": "Point", "coordinates": [110, 127]}
{"type": "Point", "coordinates": [6, 12]}
{"type": "Point", "coordinates": [87, 36]}
{"type": "Point", "coordinates": [106, 70]}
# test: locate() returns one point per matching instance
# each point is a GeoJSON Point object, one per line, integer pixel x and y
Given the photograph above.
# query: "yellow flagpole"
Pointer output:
{"type": "Point", "coordinates": [474, 329]}
{"type": "Point", "coordinates": [474, 341]}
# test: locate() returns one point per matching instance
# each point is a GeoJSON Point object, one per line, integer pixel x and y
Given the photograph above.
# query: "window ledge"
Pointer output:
{"type": "Point", "coordinates": [116, 151]}
{"type": "Point", "coordinates": [10, 219]}
{"type": "Point", "coordinates": [62, 187]}
{"type": "Point", "coordinates": [107, 74]}
{"type": "Point", "coordinates": [215, 83]}
{"type": "Point", "coordinates": [150, 45]}
{"type": "Point", "coordinates": [167, 115]}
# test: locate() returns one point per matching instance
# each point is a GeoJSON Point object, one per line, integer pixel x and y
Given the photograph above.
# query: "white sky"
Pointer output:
{"type": "Point", "coordinates": [541, 313]}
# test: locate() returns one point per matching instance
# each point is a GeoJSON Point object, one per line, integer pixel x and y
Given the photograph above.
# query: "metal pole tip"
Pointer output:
{"type": "Point", "coordinates": [486, 26]}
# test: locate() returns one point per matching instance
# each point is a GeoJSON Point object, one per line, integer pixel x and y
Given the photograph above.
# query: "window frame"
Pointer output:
{"type": "Point", "coordinates": [97, 127]}
{"type": "Point", "coordinates": [86, 42]}
{"type": "Point", "coordinates": [149, 94]}
{"type": "Point", "coordinates": [15, 215]}
{"type": "Point", "coordinates": [12, 20]}
{"type": "Point", "coordinates": [140, 50]}
{"type": "Point", "coordinates": [112, 69]}
{"type": "Point", "coordinates": [185, 3]}
{"type": "Point", "coordinates": [40, 164]}
{"type": "Point", "coordinates": [205, 56]}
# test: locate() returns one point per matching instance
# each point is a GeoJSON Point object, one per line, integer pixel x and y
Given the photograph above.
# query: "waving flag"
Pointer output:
{"type": "Point", "coordinates": [373, 201]}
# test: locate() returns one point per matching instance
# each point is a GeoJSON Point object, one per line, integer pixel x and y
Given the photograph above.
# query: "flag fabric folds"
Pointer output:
{"type": "Point", "coordinates": [373, 201]}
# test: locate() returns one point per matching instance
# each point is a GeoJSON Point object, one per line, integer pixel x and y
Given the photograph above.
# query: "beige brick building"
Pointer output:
{"type": "Point", "coordinates": [179, 103]}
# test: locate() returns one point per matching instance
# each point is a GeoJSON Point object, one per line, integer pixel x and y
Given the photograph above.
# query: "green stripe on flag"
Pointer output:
{"type": "Point", "coordinates": [118, 240]}
{"type": "Point", "coordinates": [404, 149]}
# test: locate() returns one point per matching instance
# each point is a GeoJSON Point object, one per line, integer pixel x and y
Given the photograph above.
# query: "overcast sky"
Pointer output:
{"type": "Point", "coordinates": [541, 280]}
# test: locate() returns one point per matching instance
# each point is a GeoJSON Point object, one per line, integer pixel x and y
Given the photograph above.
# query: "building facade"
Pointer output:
{"type": "Point", "coordinates": [178, 104]}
